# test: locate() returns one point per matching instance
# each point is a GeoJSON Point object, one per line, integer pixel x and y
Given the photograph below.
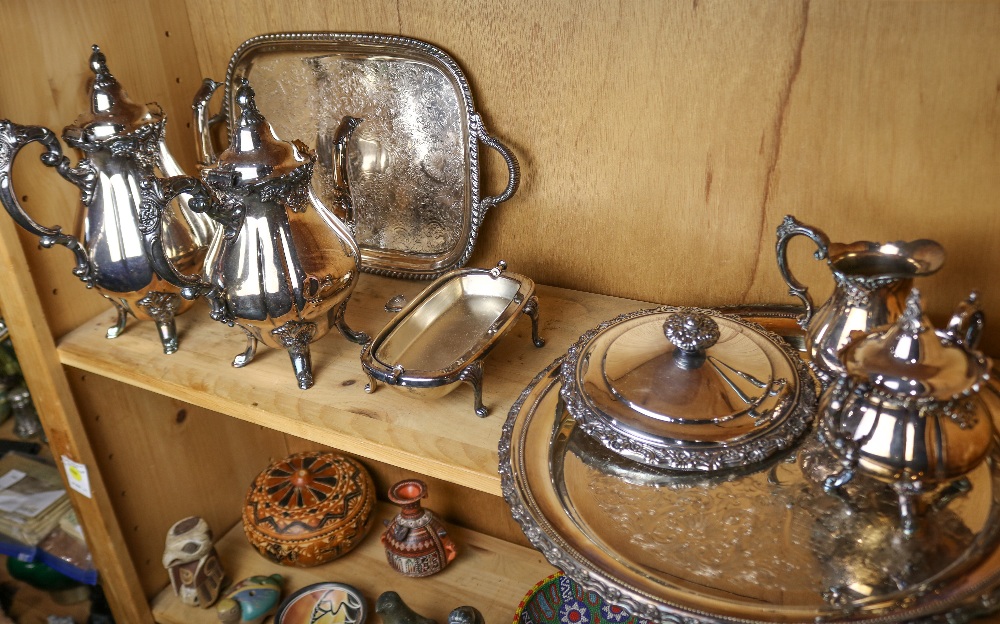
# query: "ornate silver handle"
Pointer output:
{"type": "Point", "coordinates": [788, 229]}
{"type": "Point", "coordinates": [12, 138]}
{"type": "Point", "coordinates": [203, 123]}
{"type": "Point", "coordinates": [693, 333]}
{"type": "Point", "coordinates": [513, 169]}
{"type": "Point", "coordinates": [156, 194]}
{"type": "Point", "coordinates": [965, 327]}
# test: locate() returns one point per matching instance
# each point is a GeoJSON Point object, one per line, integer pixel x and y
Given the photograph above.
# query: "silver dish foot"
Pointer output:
{"type": "Point", "coordinates": [531, 309]}
{"type": "Point", "coordinates": [474, 375]}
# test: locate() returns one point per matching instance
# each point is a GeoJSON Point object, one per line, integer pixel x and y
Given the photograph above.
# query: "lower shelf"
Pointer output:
{"type": "Point", "coordinates": [489, 574]}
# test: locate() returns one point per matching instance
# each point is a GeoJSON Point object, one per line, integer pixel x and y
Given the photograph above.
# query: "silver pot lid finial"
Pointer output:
{"type": "Point", "coordinates": [112, 113]}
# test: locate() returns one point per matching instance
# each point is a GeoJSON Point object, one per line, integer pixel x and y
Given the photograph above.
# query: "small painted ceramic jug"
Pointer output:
{"type": "Point", "coordinates": [416, 543]}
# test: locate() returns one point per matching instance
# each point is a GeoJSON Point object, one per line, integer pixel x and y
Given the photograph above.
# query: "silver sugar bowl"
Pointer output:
{"type": "Point", "coordinates": [908, 412]}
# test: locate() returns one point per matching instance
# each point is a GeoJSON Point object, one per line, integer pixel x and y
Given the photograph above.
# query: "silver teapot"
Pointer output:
{"type": "Point", "coordinates": [122, 143]}
{"type": "Point", "coordinates": [871, 280]}
{"type": "Point", "coordinates": [909, 412]}
{"type": "Point", "coordinates": [282, 266]}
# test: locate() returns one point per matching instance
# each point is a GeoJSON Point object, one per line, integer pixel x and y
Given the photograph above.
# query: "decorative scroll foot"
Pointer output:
{"type": "Point", "coordinates": [338, 321]}
{"type": "Point", "coordinates": [295, 337]}
{"type": "Point", "coordinates": [161, 307]}
{"type": "Point", "coordinates": [474, 375]}
{"type": "Point", "coordinates": [950, 492]}
{"type": "Point", "coordinates": [372, 384]}
{"type": "Point", "coordinates": [531, 309]}
{"type": "Point", "coordinates": [116, 330]}
{"type": "Point", "coordinates": [246, 357]}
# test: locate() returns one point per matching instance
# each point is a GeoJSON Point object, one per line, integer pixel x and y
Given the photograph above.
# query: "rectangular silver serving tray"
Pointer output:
{"type": "Point", "coordinates": [413, 163]}
{"type": "Point", "coordinates": [441, 337]}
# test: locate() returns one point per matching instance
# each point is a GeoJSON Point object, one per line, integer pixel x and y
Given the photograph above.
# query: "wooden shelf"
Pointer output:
{"type": "Point", "coordinates": [442, 438]}
{"type": "Point", "coordinates": [489, 574]}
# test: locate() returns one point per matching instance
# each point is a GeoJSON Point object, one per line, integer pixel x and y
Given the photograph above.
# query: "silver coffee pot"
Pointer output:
{"type": "Point", "coordinates": [871, 280]}
{"type": "Point", "coordinates": [122, 143]}
{"type": "Point", "coordinates": [282, 266]}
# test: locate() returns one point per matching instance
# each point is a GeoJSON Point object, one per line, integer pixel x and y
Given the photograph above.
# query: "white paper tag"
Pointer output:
{"type": "Point", "coordinates": [76, 476]}
{"type": "Point", "coordinates": [11, 478]}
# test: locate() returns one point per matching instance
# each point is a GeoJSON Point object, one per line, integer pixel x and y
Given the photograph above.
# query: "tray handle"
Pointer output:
{"type": "Point", "coordinates": [513, 169]}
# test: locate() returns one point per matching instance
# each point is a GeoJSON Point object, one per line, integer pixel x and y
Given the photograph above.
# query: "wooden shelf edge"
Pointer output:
{"type": "Point", "coordinates": [489, 574]}
{"type": "Point", "coordinates": [439, 438]}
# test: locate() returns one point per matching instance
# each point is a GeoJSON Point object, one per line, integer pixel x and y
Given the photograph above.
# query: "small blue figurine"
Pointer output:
{"type": "Point", "coordinates": [251, 600]}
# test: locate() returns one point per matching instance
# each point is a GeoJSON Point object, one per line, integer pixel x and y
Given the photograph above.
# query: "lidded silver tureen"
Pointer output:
{"type": "Point", "coordinates": [688, 389]}
{"type": "Point", "coordinates": [909, 411]}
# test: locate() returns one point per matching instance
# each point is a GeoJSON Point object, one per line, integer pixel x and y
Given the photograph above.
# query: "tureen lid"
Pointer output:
{"type": "Point", "coordinates": [255, 153]}
{"type": "Point", "coordinates": [112, 114]}
{"type": "Point", "coordinates": [911, 359]}
{"type": "Point", "coordinates": [688, 389]}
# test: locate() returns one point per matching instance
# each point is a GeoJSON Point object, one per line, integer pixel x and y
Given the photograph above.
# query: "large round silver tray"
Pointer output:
{"type": "Point", "coordinates": [414, 160]}
{"type": "Point", "coordinates": [765, 545]}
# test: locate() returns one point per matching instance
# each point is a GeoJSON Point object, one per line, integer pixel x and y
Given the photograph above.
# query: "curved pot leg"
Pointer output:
{"type": "Point", "coordinates": [161, 307]}
{"type": "Point", "coordinates": [116, 330]}
{"type": "Point", "coordinates": [246, 357]}
{"type": "Point", "coordinates": [295, 337]}
{"type": "Point", "coordinates": [474, 375]}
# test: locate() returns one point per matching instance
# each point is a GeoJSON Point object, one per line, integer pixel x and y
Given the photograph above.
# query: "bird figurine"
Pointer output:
{"type": "Point", "coordinates": [394, 611]}
{"type": "Point", "coordinates": [251, 600]}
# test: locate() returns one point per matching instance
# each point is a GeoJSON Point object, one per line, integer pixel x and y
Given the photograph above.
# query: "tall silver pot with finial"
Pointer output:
{"type": "Point", "coordinates": [121, 143]}
{"type": "Point", "coordinates": [282, 266]}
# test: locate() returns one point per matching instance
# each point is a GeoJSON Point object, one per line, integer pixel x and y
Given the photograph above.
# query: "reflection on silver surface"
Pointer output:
{"type": "Point", "coordinates": [765, 545]}
{"type": "Point", "coordinates": [441, 337]}
{"type": "Point", "coordinates": [688, 389]}
{"type": "Point", "coordinates": [122, 142]}
{"type": "Point", "coordinates": [414, 163]}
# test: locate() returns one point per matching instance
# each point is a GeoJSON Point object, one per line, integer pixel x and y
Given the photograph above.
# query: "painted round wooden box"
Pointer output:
{"type": "Point", "coordinates": [309, 508]}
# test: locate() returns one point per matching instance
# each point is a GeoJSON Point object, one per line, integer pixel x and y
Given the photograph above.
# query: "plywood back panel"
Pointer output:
{"type": "Point", "coordinates": [662, 142]}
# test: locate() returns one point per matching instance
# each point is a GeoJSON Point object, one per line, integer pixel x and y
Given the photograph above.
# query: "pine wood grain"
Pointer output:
{"type": "Point", "coordinates": [489, 574]}
{"type": "Point", "coordinates": [442, 438]}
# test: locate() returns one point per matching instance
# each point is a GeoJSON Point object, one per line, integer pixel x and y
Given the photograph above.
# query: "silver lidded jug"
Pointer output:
{"type": "Point", "coordinates": [872, 281]}
{"type": "Point", "coordinates": [122, 143]}
{"type": "Point", "coordinates": [281, 267]}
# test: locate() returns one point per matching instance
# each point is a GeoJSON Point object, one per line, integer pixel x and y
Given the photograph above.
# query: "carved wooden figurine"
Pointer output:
{"type": "Point", "coordinates": [192, 563]}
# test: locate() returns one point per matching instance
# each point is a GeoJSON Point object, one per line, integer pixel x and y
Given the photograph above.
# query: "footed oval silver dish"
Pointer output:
{"type": "Point", "coordinates": [441, 337]}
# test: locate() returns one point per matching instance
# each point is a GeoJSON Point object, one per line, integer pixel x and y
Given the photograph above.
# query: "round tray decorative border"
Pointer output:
{"type": "Point", "coordinates": [977, 601]}
{"type": "Point", "coordinates": [689, 458]}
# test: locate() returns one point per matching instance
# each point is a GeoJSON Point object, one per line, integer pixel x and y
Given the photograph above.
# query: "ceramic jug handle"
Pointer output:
{"type": "Point", "coordinates": [788, 229]}
{"type": "Point", "coordinates": [12, 138]}
{"type": "Point", "coordinates": [513, 169]}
